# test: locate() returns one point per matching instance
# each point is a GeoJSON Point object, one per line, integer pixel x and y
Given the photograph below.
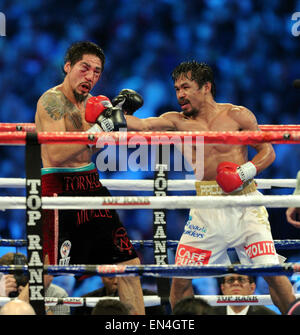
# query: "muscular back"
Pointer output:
{"type": "Point", "coordinates": [56, 113]}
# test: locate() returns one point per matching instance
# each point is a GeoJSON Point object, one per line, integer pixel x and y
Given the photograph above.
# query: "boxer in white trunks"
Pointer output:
{"type": "Point", "coordinates": [210, 232]}
{"type": "Point", "coordinates": [227, 170]}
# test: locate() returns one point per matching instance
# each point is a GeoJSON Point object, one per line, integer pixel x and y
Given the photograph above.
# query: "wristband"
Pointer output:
{"type": "Point", "coordinates": [297, 189]}
{"type": "Point", "coordinates": [247, 171]}
{"type": "Point", "coordinates": [107, 125]}
{"type": "Point", "coordinates": [94, 129]}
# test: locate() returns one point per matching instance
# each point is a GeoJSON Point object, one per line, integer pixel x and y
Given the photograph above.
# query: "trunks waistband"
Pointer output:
{"type": "Point", "coordinates": [205, 188]}
{"type": "Point", "coordinates": [87, 167]}
{"type": "Point", "coordinates": [70, 180]}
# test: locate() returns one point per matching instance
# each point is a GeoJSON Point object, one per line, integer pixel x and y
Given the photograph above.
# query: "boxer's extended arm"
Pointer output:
{"type": "Point", "coordinates": [50, 116]}
{"type": "Point", "coordinates": [161, 123]}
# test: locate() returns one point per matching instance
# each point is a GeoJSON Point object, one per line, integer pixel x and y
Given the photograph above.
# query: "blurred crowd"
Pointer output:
{"type": "Point", "coordinates": [249, 44]}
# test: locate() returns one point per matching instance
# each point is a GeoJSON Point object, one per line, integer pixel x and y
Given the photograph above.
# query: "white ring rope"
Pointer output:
{"type": "Point", "coordinates": [154, 202]}
{"type": "Point", "coordinates": [167, 202]}
{"type": "Point", "coordinates": [147, 185]}
{"type": "Point", "coordinates": [153, 300]}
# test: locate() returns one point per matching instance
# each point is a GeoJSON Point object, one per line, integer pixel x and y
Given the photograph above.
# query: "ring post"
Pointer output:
{"type": "Point", "coordinates": [34, 223]}
{"type": "Point", "coordinates": [160, 223]}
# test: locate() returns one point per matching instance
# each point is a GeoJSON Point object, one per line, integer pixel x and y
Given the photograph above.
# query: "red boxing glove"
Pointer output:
{"type": "Point", "coordinates": [225, 165]}
{"type": "Point", "coordinates": [95, 106]}
{"type": "Point", "coordinates": [231, 176]}
{"type": "Point", "coordinates": [99, 110]}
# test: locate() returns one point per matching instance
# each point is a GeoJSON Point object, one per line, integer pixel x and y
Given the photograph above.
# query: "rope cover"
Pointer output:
{"type": "Point", "coordinates": [167, 271]}
{"type": "Point", "coordinates": [155, 138]}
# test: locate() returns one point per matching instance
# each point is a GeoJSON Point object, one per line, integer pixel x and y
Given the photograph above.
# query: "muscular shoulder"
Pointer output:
{"type": "Point", "coordinates": [54, 103]}
{"type": "Point", "coordinates": [172, 116]}
{"type": "Point", "coordinates": [243, 116]}
{"type": "Point", "coordinates": [53, 92]}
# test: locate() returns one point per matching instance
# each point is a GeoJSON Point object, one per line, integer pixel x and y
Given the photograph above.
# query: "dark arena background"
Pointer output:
{"type": "Point", "coordinates": [252, 46]}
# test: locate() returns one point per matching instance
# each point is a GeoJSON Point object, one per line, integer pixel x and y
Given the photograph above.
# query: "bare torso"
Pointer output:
{"type": "Point", "coordinates": [70, 118]}
{"type": "Point", "coordinates": [226, 119]}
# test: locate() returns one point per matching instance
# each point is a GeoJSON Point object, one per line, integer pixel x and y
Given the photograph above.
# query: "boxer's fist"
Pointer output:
{"type": "Point", "coordinates": [95, 106]}
{"type": "Point", "coordinates": [231, 176]}
{"type": "Point", "coordinates": [226, 165]}
{"type": "Point", "coordinates": [130, 101]}
{"type": "Point", "coordinates": [100, 110]}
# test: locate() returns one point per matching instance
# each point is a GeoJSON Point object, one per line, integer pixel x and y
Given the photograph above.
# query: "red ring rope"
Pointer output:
{"type": "Point", "coordinates": [121, 138]}
{"type": "Point", "coordinates": [31, 127]}
{"type": "Point", "coordinates": [278, 127]}
{"type": "Point", "coordinates": [17, 126]}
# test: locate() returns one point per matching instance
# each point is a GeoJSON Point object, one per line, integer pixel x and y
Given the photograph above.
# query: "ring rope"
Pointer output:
{"type": "Point", "coordinates": [239, 300]}
{"type": "Point", "coordinates": [153, 300]}
{"type": "Point", "coordinates": [147, 185]}
{"type": "Point", "coordinates": [141, 270]}
{"type": "Point", "coordinates": [32, 127]}
{"type": "Point", "coordinates": [182, 271]}
{"type": "Point", "coordinates": [288, 244]}
{"type": "Point", "coordinates": [157, 137]}
{"type": "Point", "coordinates": [150, 202]}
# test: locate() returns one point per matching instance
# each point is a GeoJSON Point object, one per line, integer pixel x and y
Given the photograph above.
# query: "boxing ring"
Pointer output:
{"type": "Point", "coordinates": [24, 134]}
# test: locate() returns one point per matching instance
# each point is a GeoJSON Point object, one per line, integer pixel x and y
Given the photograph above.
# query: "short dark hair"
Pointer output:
{"type": "Point", "coordinates": [192, 306]}
{"type": "Point", "coordinates": [110, 307]}
{"type": "Point", "coordinates": [201, 73]}
{"type": "Point", "coordinates": [76, 51]}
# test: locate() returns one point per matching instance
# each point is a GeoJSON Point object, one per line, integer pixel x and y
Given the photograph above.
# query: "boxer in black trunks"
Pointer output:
{"type": "Point", "coordinates": [79, 236]}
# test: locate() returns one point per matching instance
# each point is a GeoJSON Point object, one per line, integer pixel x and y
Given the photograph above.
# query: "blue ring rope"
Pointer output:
{"type": "Point", "coordinates": [163, 270]}
{"type": "Point", "coordinates": [279, 244]}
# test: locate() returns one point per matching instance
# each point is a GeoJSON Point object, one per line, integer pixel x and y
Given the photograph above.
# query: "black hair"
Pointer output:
{"type": "Point", "coordinates": [192, 306]}
{"type": "Point", "coordinates": [201, 73]}
{"type": "Point", "coordinates": [110, 307]}
{"type": "Point", "coordinates": [76, 51]}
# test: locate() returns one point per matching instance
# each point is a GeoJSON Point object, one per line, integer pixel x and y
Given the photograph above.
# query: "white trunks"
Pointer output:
{"type": "Point", "coordinates": [210, 232]}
